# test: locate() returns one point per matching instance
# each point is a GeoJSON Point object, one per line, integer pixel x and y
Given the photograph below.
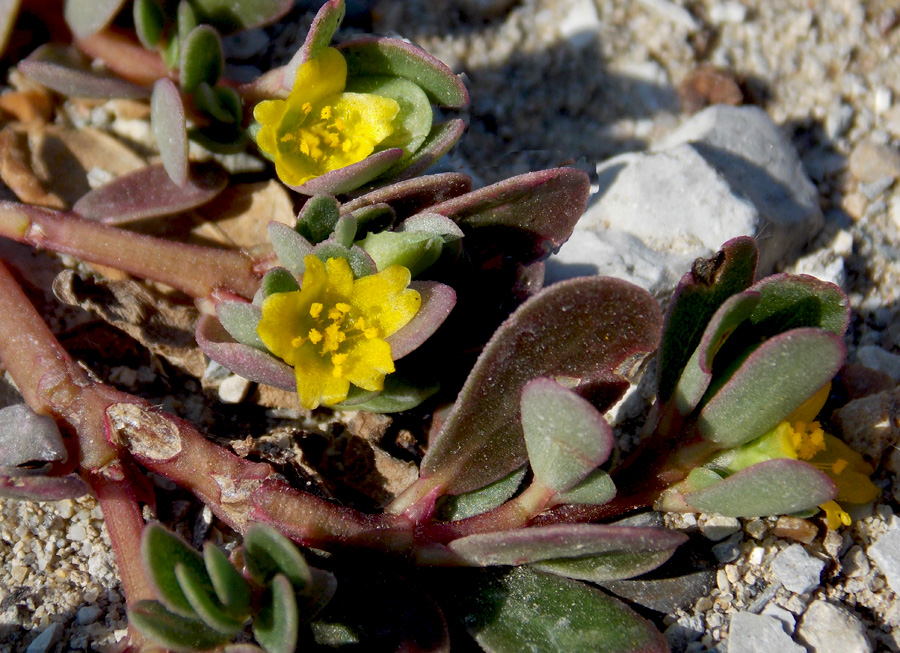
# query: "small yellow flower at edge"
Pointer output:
{"type": "Point", "coordinates": [319, 128]}
{"type": "Point", "coordinates": [332, 331]}
{"type": "Point", "coordinates": [801, 438]}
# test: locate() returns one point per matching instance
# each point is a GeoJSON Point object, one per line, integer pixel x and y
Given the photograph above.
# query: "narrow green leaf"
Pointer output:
{"type": "Point", "coordinates": [149, 22]}
{"type": "Point", "coordinates": [414, 250]}
{"type": "Point", "coordinates": [523, 610]}
{"type": "Point", "coordinates": [277, 625]}
{"type": "Point", "coordinates": [345, 230]}
{"type": "Point", "coordinates": [231, 588]}
{"type": "Point", "coordinates": [162, 550]}
{"type": "Point", "coordinates": [469, 504]}
{"type": "Point", "coordinates": [596, 489]}
{"type": "Point", "coordinates": [769, 384]}
{"type": "Point", "coordinates": [201, 58]}
{"type": "Point", "coordinates": [565, 436]}
{"type": "Point", "coordinates": [267, 553]}
{"type": "Point", "coordinates": [220, 102]}
{"type": "Point", "coordinates": [199, 591]}
{"type": "Point", "coordinates": [187, 21]}
{"type": "Point", "coordinates": [171, 630]}
{"type": "Point", "coordinates": [772, 487]}
{"type": "Point", "coordinates": [318, 218]}
{"type": "Point", "coordinates": [606, 567]}
{"type": "Point", "coordinates": [240, 320]}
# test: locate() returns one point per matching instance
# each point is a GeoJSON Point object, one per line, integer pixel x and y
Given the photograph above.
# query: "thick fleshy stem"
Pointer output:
{"type": "Point", "coordinates": [192, 269]}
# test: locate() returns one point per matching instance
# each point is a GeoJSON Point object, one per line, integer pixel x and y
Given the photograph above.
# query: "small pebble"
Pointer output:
{"type": "Point", "coordinates": [871, 161]}
{"type": "Point", "coordinates": [752, 633]}
{"type": "Point", "coordinates": [885, 553]}
{"type": "Point", "coordinates": [46, 640]}
{"type": "Point", "coordinates": [730, 549]}
{"type": "Point", "coordinates": [784, 616]}
{"type": "Point", "coordinates": [88, 614]}
{"type": "Point", "coordinates": [799, 530]}
{"type": "Point", "coordinates": [855, 563]}
{"type": "Point", "coordinates": [717, 527]}
{"type": "Point", "coordinates": [798, 571]}
{"type": "Point", "coordinates": [830, 629]}
{"type": "Point", "coordinates": [234, 389]}
{"type": "Point", "coordinates": [756, 529]}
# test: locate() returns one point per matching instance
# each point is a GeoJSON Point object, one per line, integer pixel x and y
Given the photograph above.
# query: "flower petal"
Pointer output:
{"type": "Point", "coordinates": [385, 300]}
{"type": "Point", "coordinates": [319, 78]}
{"type": "Point", "coordinates": [367, 364]}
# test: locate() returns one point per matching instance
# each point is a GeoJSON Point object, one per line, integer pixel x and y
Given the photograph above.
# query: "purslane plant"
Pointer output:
{"type": "Point", "coordinates": [371, 300]}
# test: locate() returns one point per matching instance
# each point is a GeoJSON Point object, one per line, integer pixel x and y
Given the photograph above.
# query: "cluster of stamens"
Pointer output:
{"type": "Point", "coordinates": [323, 131]}
{"type": "Point", "coordinates": [332, 328]}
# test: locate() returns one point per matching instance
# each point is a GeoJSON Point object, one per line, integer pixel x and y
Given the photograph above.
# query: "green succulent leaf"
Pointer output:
{"type": "Point", "coordinates": [360, 261]}
{"type": "Point", "coordinates": [596, 489]}
{"type": "Point", "coordinates": [433, 224]}
{"type": "Point", "coordinates": [278, 280]}
{"type": "Point", "coordinates": [413, 123]}
{"type": "Point", "coordinates": [440, 140]}
{"type": "Point", "coordinates": [414, 250]}
{"type": "Point", "coordinates": [469, 504]}
{"type": "Point", "coordinates": [379, 56]}
{"type": "Point", "coordinates": [277, 625]}
{"type": "Point", "coordinates": [375, 217]}
{"type": "Point", "coordinates": [198, 589]}
{"type": "Point", "coordinates": [345, 230]}
{"type": "Point", "coordinates": [318, 218]}
{"type": "Point", "coordinates": [290, 247]}
{"type": "Point", "coordinates": [232, 590]}
{"type": "Point", "coordinates": [230, 16]}
{"type": "Point", "coordinates": [400, 393]}
{"type": "Point", "coordinates": [86, 17]}
{"type": "Point", "coordinates": [201, 58]}
{"type": "Point", "coordinates": [162, 551]}
{"type": "Point", "coordinates": [697, 298]}
{"type": "Point", "coordinates": [267, 553]}
{"type": "Point", "coordinates": [523, 610]}
{"type": "Point", "coordinates": [698, 371]}
{"type": "Point", "coordinates": [171, 630]}
{"type": "Point", "coordinates": [768, 384]}
{"type": "Point", "coordinates": [149, 22]}
{"type": "Point", "coordinates": [220, 102]}
{"type": "Point", "coordinates": [170, 129]}
{"type": "Point", "coordinates": [772, 487]}
{"type": "Point", "coordinates": [565, 436]}
{"type": "Point", "coordinates": [324, 25]}
{"type": "Point", "coordinates": [606, 567]}
{"type": "Point", "coordinates": [187, 21]}
{"type": "Point", "coordinates": [240, 320]}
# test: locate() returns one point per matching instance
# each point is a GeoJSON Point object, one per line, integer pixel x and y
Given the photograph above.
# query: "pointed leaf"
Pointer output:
{"type": "Point", "coordinates": [231, 16]}
{"type": "Point", "coordinates": [169, 127]}
{"type": "Point", "coordinates": [65, 70]}
{"type": "Point", "coordinates": [149, 192]}
{"type": "Point", "coordinates": [277, 625]}
{"type": "Point", "coordinates": [522, 219]}
{"type": "Point", "coordinates": [697, 372]}
{"type": "Point", "coordinates": [772, 487]}
{"type": "Point", "coordinates": [201, 58]}
{"type": "Point", "coordinates": [162, 551]}
{"type": "Point", "coordinates": [413, 195]}
{"type": "Point", "coordinates": [198, 589]}
{"type": "Point", "coordinates": [375, 55]}
{"type": "Point", "coordinates": [565, 436]}
{"type": "Point", "coordinates": [322, 30]}
{"type": "Point", "coordinates": [697, 297]}
{"type": "Point", "coordinates": [469, 504]}
{"type": "Point", "coordinates": [172, 630]}
{"type": "Point", "coordinates": [290, 247]}
{"type": "Point", "coordinates": [360, 261]}
{"type": "Point", "coordinates": [607, 566]}
{"type": "Point", "coordinates": [243, 360]}
{"type": "Point", "coordinates": [523, 610]}
{"type": "Point", "coordinates": [267, 553]}
{"type": "Point", "coordinates": [440, 140]}
{"type": "Point", "coordinates": [85, 17]}
{"type": "Point", "coordinates": [769, 384]}
{"type": "Point", "coordinates": [240, 320]}
{"type": "Point", "coordinates": [231, 589]}
{"type": "Point", "coordinates": [591, 330]}
{"type": "Point", "coordinates": [561, 541]}
{"type": "Point", "coordinates": [344, 180]}
{"type": "Point", "coordinates": [596, 489]}
{"type": "Point", "coordinates": [318, 218]}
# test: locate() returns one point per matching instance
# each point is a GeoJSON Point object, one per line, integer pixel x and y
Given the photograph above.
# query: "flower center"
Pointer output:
{"type": "Point", "coordinates": [333, 331]}
{"type": "Point", "coordinates": [319, 133]}
{"type": "Point", "coordinates": [807, 439]}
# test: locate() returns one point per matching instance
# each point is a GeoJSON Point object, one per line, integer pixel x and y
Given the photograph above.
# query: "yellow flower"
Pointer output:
{"type": "Point", "coordinates": [800, 438]}
{"type": "Point", "coordinates": [319, 128]}
{"type": "Point", "coordinates": [332, 330]}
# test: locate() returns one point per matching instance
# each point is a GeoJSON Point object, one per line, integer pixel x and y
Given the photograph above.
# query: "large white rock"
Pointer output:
{"type": "Point", "coordinates": [726, 172]}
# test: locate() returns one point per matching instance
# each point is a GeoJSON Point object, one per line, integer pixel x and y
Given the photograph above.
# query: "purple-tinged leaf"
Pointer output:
{"type": "Point", "coordinates": [437, 302]}
{"type": "Point", "coordinates": [607, 566]}
{"type": "Point", "coordinates": [791, 301]}
{"type": "Point", "coordinates": [461, 506]}
{"type": "Point", "coordinates": [320, 33]}
{"type": "Point", "coordinates": [537, 543]}
{"type": "Point", "coordinates": [198, 589]}
{"type": "Point", "coordinates": [149, 193]}
{"type": "Point", "coordinates": [343, 180]}
{"type": "Point", "coordinates": [171, 630]}
{"type": "Point", "coordinates": [231, 16]}
{"type": "Point", "coordinates": [440, 140]}
{"type": "Point", "coordinates": [43, 488]}
{"type": "Point", "coordinates": [772, 487]}
{"type": "Point", "coordinates": [413, 195]}
{"type": "Point", "coordinates": [376, 55]}
{"type": "Point", "coordinates": [243, 360]}
{"type": "Point", "coordinates": [290, 247]}
{"type": "Point", "coordinates": [27, 438]}
{"type": "Point", "coordinates": [596, 489]}
{"type": "Point", "coordinates": [240, 320]}
{"type": "Point", "coordinates": [522, 219]}
{"type": "Point", "coordinates": [590, 331]}
{"type": "Point", "coordinates": [697, 372]}
{"type": "Point", "coordinates": [770, 383]}
{"type": "Point", "coordinates": [201, 58]}
{"type": "Point", "coordinates": [432, 223]}
{"type": "Point", "coordinates": [524, 610]}
{"type": "Point", "coordinates": [64, 70]}
{"type": "Point", "coordinates": [169, 128]}
{"type": "Point", "coordinates": [697, 297]}
{"type": "Point", "coordinates": [399, 394]}
{"type": "Point", "coordinates": [360, 261]}
{"type": "Point", "coordinates": [85, 17]}
{"type": "Point", "coordinates": [277, 625]}
{"type": "Point", "coordinates": [162, 551]}
{"type": "Point", "coordinates": [565, 436]}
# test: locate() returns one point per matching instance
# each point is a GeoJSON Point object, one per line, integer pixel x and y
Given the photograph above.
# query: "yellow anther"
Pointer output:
{"type": "Point", "coordinates": [342, 307]}
{"type": "Point", "coordinates": [325, 113]}
{"type": "Point", "coordinates": [371, 332]}
{"type": "Point", "coordinates": [314, 336]}
{"type": "Point", "coordinates": [315, 309]}
{"type": "Point", "coordinates": [306, 108]}
{"type": "Point", "coordinates": [298, 341]}
{"type": "Point", "coordinates": [839, 465]}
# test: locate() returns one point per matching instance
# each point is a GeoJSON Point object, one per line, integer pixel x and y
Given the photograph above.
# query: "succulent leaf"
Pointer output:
{"type": "Point", "coordinates": [198, 589]}
{"type": "Point", "coordinates": [318, 218]}
{"type": "Point", "coordinates": [86, 17]}
{"type": "Point", "coordinates": [324, 25]}
{"type": "Point", "coordinates": [64, 70]}
{"type": "Point", "coordinates": [399, 394]}
{"type": "Point", "coordinates": [268, 553]}
{"type": "Point", "coordinates": [414, 195]}
{"type": "Point", "coordinates": [220, 102]}
{"type": "Point", "coordinates": [469, 504]}
{"type": "Point", "coordinates": [290, 247]}
{"type": "Point", "coordinates": [172, 630]}
{"type": "Point", "coordinates": [345, 231]}
{"type": "Point", "coordinates": [607, 566]}
{"type": "Point", "coordinates": [149, 22]}
{"type": "Point", "coordinates": [201, 58]}
{"type": "Point", "coordinates": [414, 250]}
{"type": "Point", "coordinates": [162, 552]}
{"type": "Point", "coordinates": [169, 127]}
{"type": "Point", "coordinates": [349, 178]}
{"type": "Point", "coordinates": [278, 280]}
{"type": "Point", "coordinates": [596, 489]}
{"type": "Point", "coordinates": [360, 261]}
{"type": "Point", "coordinates": [437, 302]}
{"type": "Point", "coordinates": [240, 320]}
{"type": "Point", "coordinates": [232, 591]}
{"type": "Point", "coordinates": [440, 140]}
{"type": "Point", "coordinates": [230, 16]}
{"type": "Point", "coordinates": [277, 625]}
{"type": "Point", "coordinates": [433, 224]}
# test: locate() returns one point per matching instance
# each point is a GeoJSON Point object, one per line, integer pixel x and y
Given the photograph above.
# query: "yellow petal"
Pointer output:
{"type": "Point", "coordinates": [367, 364]}
{"type": "Point", "coordinates": [810, 408]}
{"type": "Point", "coordinates": [281, 313]}
{"type": "Point", "coordinates": [385, 300]}
{"type": "Point", "coordinates": [316, 385]}
{"type": "Point", "coordinates": [340, 278]}
{"type": "Point", "coordinates": [319, 78]}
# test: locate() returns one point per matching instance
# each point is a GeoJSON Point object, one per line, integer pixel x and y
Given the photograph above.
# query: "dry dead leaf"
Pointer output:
{"type": "Point", "coordinates": [17, 173]}
{"type": "Point", "coordinates": [28, 106]}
